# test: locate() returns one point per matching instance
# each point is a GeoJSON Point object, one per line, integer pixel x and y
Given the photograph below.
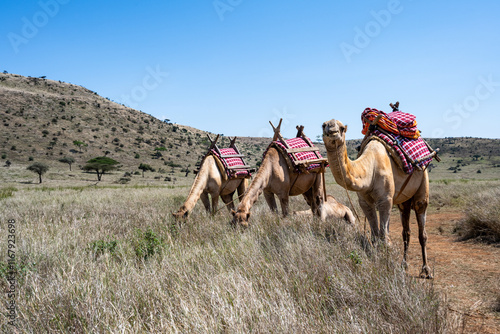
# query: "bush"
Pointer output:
{"type": "Point", "coordinates": [147, 244]}
{"type": "Point", "coordinates": [482, 220]}
{"type": "Point", "coordinates": [100, 247]}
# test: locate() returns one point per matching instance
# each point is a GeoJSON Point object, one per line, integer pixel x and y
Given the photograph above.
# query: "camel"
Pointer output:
{"type": "Point", "coordinates": [330, 209]}
{"type": "Point", "coordinates": [276, 176]}
{"type": "Point", "coordinates": [379, 184]}
{"type": "Point", "coordinates": [212, 180]}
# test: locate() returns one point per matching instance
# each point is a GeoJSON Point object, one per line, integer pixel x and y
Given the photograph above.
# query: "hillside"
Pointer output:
{"type": "Point", "coordinates": [42, 119]}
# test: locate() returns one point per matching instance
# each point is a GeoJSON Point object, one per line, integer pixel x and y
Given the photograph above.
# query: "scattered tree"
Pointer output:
{"type": "Point", "coordinates": [67, 160]}
{"type": "Point", "coordinates": [145, 167]}
{"type": "Point", "coordinates": [100, 165]}
{"type": "Point", "coordinates": [38, 168]}
{"type": "Point", "coordinates": [79, 144]}
{"type": "Point", "coordinates": [8, 163]}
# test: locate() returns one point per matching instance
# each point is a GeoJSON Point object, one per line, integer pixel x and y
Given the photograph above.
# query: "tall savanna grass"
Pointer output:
{"type": "Point", "coordinates": [112, 260]}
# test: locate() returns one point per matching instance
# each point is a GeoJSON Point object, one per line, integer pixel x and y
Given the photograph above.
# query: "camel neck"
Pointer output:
{"type": "Point", "coordinates": [342, 167]}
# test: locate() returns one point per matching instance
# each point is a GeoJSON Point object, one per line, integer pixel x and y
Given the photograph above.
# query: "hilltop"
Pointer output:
{"type": "Point", "coordinates": [46, 120]}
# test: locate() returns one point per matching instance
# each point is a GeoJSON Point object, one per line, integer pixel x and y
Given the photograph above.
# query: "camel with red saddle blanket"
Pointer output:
{"type": "Point", "coordinates": [289, 168]}
{"type": "Point", "coordinates": [222, 172]}
{"type": "Point", "coordinates": [380, 182]}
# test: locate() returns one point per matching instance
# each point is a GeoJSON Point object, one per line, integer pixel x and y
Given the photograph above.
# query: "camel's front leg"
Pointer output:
{"type": "Point", "coordinates": [215, 202]}
{"type": "Point", "coordinates": [371, 215]}
{"type": "Point", "coordinates": [384, 209]}
{"type": "Point", "coordinates": [284, 199]}
{"type": "Point", "coordinates": [405, 210]}
{"type": "Point", "coordinates": [421, 210]}
{"type": "Point", "coordinates": [205, 201]}
{"type": "Point", "coordinates": [271, 201]}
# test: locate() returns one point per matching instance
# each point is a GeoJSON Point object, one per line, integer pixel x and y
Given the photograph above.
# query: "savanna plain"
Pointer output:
{"type": "Point", "coordinates": [109, 257]}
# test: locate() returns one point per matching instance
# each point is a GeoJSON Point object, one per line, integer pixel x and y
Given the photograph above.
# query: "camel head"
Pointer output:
{"type": "Point", "coordinates": [240, 218]}
{"type": "Point", "coordinates": [180, 215]}
{"type": "Point", "coordinates": [334, 133]}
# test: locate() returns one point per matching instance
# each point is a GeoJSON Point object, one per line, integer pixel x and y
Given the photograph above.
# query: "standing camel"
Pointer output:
{"type": "Point", "coordinates": [212, 180]}
{"type": "Point", "coordinates": [377, 179]}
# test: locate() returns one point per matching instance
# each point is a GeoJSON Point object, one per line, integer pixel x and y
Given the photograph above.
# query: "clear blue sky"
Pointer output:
{"type": "Point", "coordinates": [230, 66]}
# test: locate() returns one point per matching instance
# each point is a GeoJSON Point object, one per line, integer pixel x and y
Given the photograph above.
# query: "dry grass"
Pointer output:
{"type": "Point", "coordinates": [482, 220]}
{"type": "Point", "coordinates": [80, 270]}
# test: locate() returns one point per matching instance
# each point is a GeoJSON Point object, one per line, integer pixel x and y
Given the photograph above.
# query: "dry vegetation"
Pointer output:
{"type": "Point", "coordinates": [88, 263]}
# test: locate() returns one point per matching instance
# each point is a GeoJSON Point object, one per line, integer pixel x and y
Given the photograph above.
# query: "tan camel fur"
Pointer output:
{"type": "Point", "coordinates": [330, 209]}
{"type": "Point", "coordinates": [210, 180]}
{"type": "Point", "coordinates": [276, 177]}
{"type": "Point", "coordinates": [377, 179]}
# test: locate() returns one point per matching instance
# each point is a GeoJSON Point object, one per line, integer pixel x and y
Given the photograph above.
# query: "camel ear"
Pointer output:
{"type": "Point", "coordinates": [343, 129]}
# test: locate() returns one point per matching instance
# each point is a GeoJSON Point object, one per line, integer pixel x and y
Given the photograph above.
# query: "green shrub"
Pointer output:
{"type": "Point", "coordinates": [100, 247]}
{"type": "Point", "coordinates": [147, 244]}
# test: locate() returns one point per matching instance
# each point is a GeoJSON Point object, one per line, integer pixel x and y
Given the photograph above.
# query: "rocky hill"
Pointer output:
{"type": "Point", "coordinates": [45, 120]}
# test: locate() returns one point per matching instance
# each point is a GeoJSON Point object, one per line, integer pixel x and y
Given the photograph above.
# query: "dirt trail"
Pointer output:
{"type": "Point", "coordinates": [468, 273]}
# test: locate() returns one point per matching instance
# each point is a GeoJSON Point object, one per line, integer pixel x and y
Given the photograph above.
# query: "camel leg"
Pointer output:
{"type": "Point", "coordinates": [284, 204]}
{"type": "Point", "coordinates": [205, 200]}
{"type": "Point", "coordinates": [384, 209]}
{"type": "Point", "coordinates": [349, 217]}
{"type": "Point", "coordinates": [228, 200]}
{"type": "Point", "coordinates": [317, 193]}
{"type": "Point", "coordinates": [215, 202]}
{"type": "Point", "coordinates": [421, 210]}
{"type": "Point", "coordinates": [405, 210]}
{"type": "Point", "coordinates": [271, 201]}
{"type": "Point", "coordinates": [371, 215]}
{"type": "Point", "coordinates": [242, 188]}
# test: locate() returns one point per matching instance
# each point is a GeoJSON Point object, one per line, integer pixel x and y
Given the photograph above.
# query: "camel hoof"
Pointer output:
{"type": "Point", "coordinates": [425, 273]}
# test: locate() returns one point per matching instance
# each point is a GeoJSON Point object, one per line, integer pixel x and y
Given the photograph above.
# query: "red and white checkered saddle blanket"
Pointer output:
{"type": "Point", "coordinates": [301, 156]}
{"type": "Point", "coordinates": [414, 149]}
{"type": "Point", "coordinates": [231, 162]}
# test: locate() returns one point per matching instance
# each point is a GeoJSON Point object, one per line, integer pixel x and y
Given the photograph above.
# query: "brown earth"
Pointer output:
{"type": "Point", "coordinates": [467, 273]}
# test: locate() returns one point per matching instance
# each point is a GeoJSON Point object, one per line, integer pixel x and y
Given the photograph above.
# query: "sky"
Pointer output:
{"type": "Point", "coordinates": [231, 66]}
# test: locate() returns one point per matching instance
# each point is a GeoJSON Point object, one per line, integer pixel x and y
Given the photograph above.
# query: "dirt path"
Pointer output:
{"type": "Point", "coordinates": [467, 273]}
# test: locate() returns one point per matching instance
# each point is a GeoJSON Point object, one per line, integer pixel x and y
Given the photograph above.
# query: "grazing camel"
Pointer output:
{"type": "Point", "coordinates": [330, 209]}
{"type": "Point", "coordinates": [277, 176]}
{"type": "Point", "coordinates": [212, 180]}
{"type": "Point", "coordinates": [379, 184]}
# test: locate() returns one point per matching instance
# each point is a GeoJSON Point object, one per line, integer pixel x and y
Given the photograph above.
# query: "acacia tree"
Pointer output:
{"type": "Point", "coordinates": [145, 167]}
{"type": "Point", "coordinates": [38, 168]}
{"type": "Point", "coordinates": [100, 165]}
{"type": "Point", "coordinates": [67, 160]}
{"type": "Point", "coordinates": [79, 144]}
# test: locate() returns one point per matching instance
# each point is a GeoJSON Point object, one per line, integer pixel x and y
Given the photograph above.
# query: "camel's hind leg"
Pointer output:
{"type": "Point", "coordinates": [421, 210]}
{"type": "Point", "coordinates": [405, 210]}
{"type": "Point", "coordinates": [420, 202]}
{"type": "Point", "coordinates": [242, 187]}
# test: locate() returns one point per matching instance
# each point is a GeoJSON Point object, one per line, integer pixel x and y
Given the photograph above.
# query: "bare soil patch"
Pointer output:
{"type": "Point", "coordinates": [467, 273]}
